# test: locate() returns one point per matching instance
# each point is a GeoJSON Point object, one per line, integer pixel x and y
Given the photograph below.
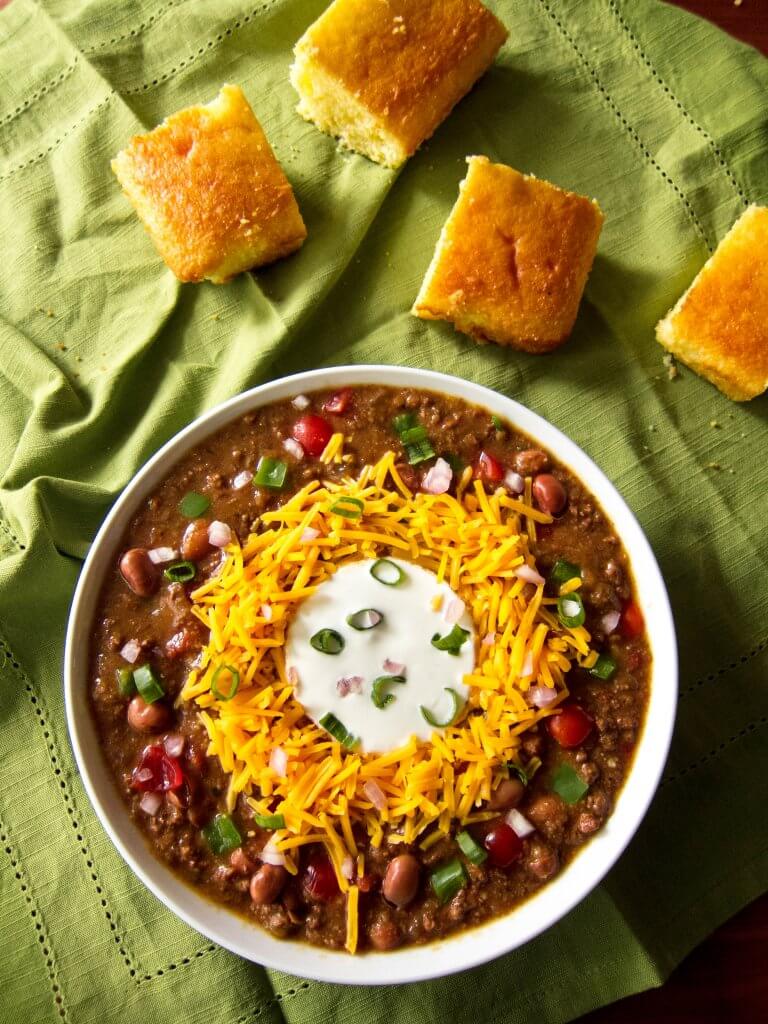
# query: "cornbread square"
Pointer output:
{"type": "Point", "coordinates": [382, 74]}
{"type": "Point", "coordinates": [512, 259]}
{"type": "Point", "coordinates": [720, 325]}
{"type": "Point", "coordinates": [210, 191]}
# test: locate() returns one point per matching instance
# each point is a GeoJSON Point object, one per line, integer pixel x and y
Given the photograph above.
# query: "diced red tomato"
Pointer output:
{"type": "Point", "coordinates": [320, 883]}
{"type": "Point", "coordinates": [571, 727]}
{"type": "Point", "coordinates": [504, 845]}
{"type": "Point", "coordinates": [313, 433]}
{"type": "Point", "coordinates": [338, 404]}
{"type": "Point", "coordinates": [488, 468]}
{"type": "Point", "coordinates": [156, 771]}
{"type": "Point", "coordinates": [631, 623]}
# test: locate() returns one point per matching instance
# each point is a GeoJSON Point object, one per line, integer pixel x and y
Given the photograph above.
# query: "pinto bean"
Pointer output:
{"type": "Point", "coordinates": [143, 717]}
{"type": "Point", "coordinates": [550, 494]}
{"type": "Point", "coordinates": [267, 883]}
{"type": "Point", "coordinates": [139, 572]}
{"type": "Point", "coordinates": [507, 794]}
{"type": "Point", "coordinates": [195, 544]}
{"type": "Point", "coordinates": [401, 880]}
{"type": "Point", "coordinates": [530, 462]}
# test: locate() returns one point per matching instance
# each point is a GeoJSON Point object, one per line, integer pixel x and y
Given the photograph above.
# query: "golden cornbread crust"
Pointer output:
{"type": "Point", "coordinates": [210, 191]}
{"type": "Point", "coordinates": [512, 259]}
{"type": "Point", "coordinates": [720, 325]}
{"type": "Point", "coordinates": [382, 74]}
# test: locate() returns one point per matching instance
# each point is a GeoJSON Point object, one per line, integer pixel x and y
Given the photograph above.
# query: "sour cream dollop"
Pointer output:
{"type": "Point", "coordinates": [413, 611]}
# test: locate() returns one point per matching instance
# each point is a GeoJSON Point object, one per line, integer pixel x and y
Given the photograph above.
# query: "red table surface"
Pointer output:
{"type": "Point", "coordinates": [725, 978]}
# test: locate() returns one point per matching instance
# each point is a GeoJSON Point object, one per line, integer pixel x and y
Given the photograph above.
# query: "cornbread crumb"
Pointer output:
{"type": "Point", "coordinates": [210, 191]}
{"type": "Point", "coordinates": [512, 259]}
{"type": "Point", "coordinates": [671, 365]}
{"type": "Point", "coordinates": [720, 325]}
{"type": "Point", "coordinates": [381, 75]}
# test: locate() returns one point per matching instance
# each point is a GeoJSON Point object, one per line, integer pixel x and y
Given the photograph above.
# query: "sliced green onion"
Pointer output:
{"type": "Point", "coordinates": [455, 711]}
{"type": "Point", "coordinates": [456, 464]}
{"type": "Point", "coordinates": [387, 572]}
{"type": "Point", "coordinates": [149, 686]}
{"type": "Point", "coordinates": [497, 422]}
{"type": "Point", "coordinates": [452, 642]}
{"type": "Point", "coordinates": [338, 730]}
{"type": "Point", "coordinates": [567, 784]}
{"type": "Point", "coordinates": [413, 435]}
{"type": "Point", "coordinates": [471, 850]}
{"type": "Point", "coordinates": [270, 473]}
{"type": "Point", "coordinates": [403, 422]}
{"type": "Point", "coordinates": [570, 610]}
{"type": "Point", "coordinates": [448, 879]}
{"type": "Point", "coordinates": [221, 834]}
{"type": "Point", "coordinates": [272, 821]}
{"type": "Point", "coordinates": [125, 682]}
{"type": "Point", "coordinates": [219, 691]}
{"type": "Point", "coordinates": [563, 571]}
{"type": "Point", "coordinates": [193, 505]}
{"type": "Point", "coordinates": [180, 572]}
{"type": "Point", "coordinates": [350, 508]}
{"type": "Point", "coordinates": [366, 618]}
{"type": "Point", "coordinates": [327, 641]}
{"type": "Point", "coordinates": [524, 772]}
{"type": "Point", "coordinates": [378, 696]}
{"type": "Point", "coordinates": [419, 452]}
{"type": "Point", "coordinates": [604, 667]}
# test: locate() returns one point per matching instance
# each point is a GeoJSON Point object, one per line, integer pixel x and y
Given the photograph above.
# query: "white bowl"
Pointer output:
{"type": "Point", "coordinates": [462, 950]}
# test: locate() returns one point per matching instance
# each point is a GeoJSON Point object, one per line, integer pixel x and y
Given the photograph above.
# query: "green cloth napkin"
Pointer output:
{"type": "Point", "coordinates": [103, 356]}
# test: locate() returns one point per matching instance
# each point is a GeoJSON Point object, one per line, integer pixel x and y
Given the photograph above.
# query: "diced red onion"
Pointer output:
{"type": "Point", "coordinates": [242, 479]}
{"type": "Point", "coordinates": [131, 651]}
{"type": "Point", "coordinates": [519, 823]}
{"type": "Point", "coordinates": [529, 574]}
{"type": "Point", "coordinates": [150, 802]}
{"type": "Point", "coordinates": [278, 762]}
{"type": "Point", "coordinates": [397, 668]}
{"type": "Point", "coordinates": [454, 610]}
{"type": "Point", "coordinates": [266, 612]}
{"type": "Point", "coordinates": [349, 684]}
{"type": "Point", "coordinates": [348, 868]}
{"type": "Point", "coordinates": [514, 481]}
{"type": "Point", "coordinates": [219, 534]}
{"type": "Point", "coordinates": [437, 480]}
{"type": "Point", "coordinates": [293, 676]}
{"type": "Point", "coordinates": [143, 775]}
{"type": "Point", "coordinates": [271, 855]}
{"type": "Point", "coordinates": [489, 639]}
{"type": "Point", "coordinates": [542, 696]}
{"type": "Point", "coordinates": [309, 534]}
{"type": "Point", "coordinates": [300, 402]}
{"type": "Point", "coordinates": [160, 555]}
{"type": "Point", "coordinates": [610, 621]}
{"type": "Point", "coordinates": [527, 668]}
{"type": "Point", "coordinates": [174, 744]}
{"type": "Point", "coordinates": [375, 794]}
{"type": "Point", "coordinates": [293, 448]}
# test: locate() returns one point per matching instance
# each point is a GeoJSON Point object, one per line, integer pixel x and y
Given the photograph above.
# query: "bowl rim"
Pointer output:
{"type": "Point", "coordinates": [466, 948]}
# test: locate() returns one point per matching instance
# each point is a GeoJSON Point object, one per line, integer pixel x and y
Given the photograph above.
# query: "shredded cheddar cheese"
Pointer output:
{"type": "Point", "coordinates": [476, 542]}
